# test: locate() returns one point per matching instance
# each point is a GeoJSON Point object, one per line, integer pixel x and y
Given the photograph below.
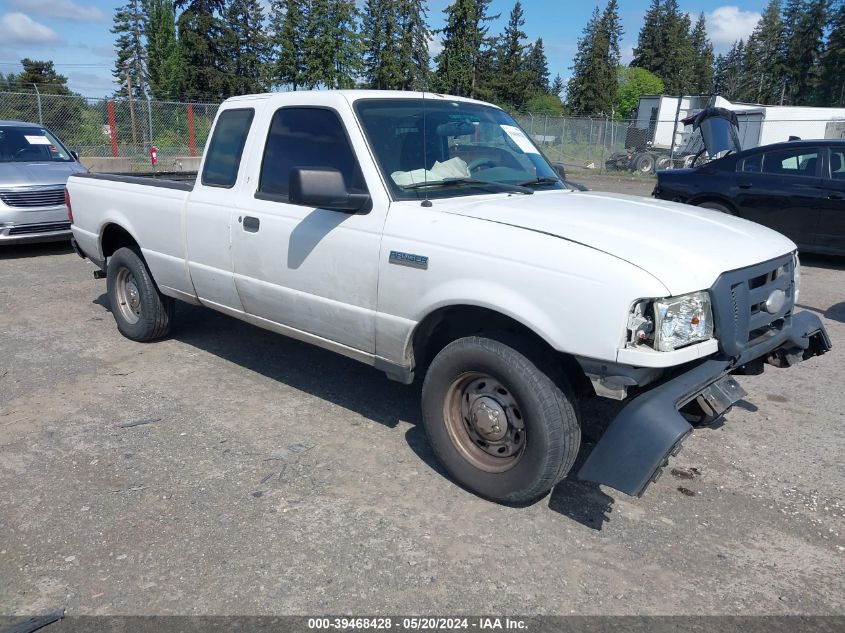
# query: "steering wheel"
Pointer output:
{"type": "Point", "coordinates": [481, 163]}
{"type": "Point", "coordinates": [22, 152]}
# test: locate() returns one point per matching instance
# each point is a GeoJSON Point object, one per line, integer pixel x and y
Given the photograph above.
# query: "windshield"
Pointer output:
{"type": "Point", "coordinates": [26, 144]}
{"type": "Point", "coordinates": [455, 149]}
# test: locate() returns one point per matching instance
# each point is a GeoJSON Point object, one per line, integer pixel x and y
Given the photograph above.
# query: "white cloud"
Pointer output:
{"type": "Point", "coordinates": [18, 28]}
{"type": "Point", "coordinates": [435, 45]}
{"type": "Point", "coordinates": [91, 85]}
{"type": "Point", "coordinates": [726, 25]}
{"type": "Point", "coordinates": [62, 10]}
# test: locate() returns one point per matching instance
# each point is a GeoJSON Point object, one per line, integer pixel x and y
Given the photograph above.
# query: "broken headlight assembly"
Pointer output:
{"type": "Point", "coordinates": [671, 323]}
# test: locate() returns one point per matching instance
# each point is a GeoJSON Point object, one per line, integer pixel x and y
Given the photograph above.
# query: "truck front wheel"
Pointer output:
{"type": "Point", "coordinates": [142, 313]}
{"type": "Point", "coordinates": [497, 422]}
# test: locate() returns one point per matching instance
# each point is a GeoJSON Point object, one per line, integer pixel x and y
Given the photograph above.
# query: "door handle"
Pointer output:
{"type": "Point", "coordinates": [744, 185]}
{"type": "Point", "coordinates": [251, 224]}
{"type": "Point", "coordinates": [835, 196]}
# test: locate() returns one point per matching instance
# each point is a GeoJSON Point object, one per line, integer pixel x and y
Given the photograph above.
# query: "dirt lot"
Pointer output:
{"type": "Point", "coordinates": [272, 477]}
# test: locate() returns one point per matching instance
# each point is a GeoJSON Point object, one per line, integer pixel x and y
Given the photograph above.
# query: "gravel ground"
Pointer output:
{"type": "Point", "coordinates": [270, 477]}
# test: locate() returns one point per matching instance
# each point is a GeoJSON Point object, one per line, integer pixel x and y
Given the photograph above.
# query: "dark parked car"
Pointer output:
{"type": "Point", "coordinates": [795, 187]}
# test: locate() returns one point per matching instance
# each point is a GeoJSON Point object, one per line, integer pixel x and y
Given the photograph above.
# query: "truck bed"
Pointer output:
{"type": "Point", "coordinates": [183, 180]}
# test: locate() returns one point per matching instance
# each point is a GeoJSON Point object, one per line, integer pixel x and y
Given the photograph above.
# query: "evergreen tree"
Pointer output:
{"type": "Point", "coordinates": [164, 58]}
{"type": "Point", "coordinates": [665, 46]}
{"type": "Point", "coordinates": [413, 44]}
{"type": "Point", "coordinates": [287, 25]}
{"type": "Point", "coordinates": [649, 52]}
{"type": "Point", "coordinates": [804, 22]}
{"type": "Point", "coordinates": [832, 91]}
{"type": "Point", "coordinates": [511, 77]}
{"type": "Point", "coordinates": [729, 72]}
{"type": "Point", "coordinates": [538, 68]}
{"type": "Point", "coordinates": [332, 46]}
{"type": "Point", "coordinates": [131, 53]}
{"type": "Point", "coordinates": [465, 57]}
{"type": "Point", "coordinates": [249, 47]}
{"type": "Point", "coordinates": [557, 86]}
{"type": "Point", "coordinates": [203, 37]}
{"type": "Point", "coordinates": [395, 43]}
{"type": "Point", "coordinates": [701, 81]}
{"type": "Point", "coordinates": [764, 58]}
{"type": "Point", "coordinates": [592, 87]}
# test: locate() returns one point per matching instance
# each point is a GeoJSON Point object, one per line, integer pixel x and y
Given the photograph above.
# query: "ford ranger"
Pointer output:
{"type": "Point", "coordinates": [426, 235]}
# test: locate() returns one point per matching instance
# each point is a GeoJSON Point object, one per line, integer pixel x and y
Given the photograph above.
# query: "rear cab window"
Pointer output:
{"type": "Point", "coordinates": [226, 148]}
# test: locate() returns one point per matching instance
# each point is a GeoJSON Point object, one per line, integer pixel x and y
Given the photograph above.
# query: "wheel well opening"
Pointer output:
{"type": "Point", "coordinates": [115, 237]}
{"type": "Point", "coordinates": [445, 325]}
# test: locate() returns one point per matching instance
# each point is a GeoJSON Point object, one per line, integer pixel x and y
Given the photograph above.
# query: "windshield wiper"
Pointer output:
{"type": "Point", "coordinates": [453, 182]}
{"type": "Point", "coordinates": [542, 180]}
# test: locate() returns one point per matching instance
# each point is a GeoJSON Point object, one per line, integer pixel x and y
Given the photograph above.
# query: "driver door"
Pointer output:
{"type": "Point", "coordinates": [310, 269]}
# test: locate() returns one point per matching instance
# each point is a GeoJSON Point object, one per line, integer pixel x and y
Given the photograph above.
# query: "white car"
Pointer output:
{"type": "Point", "coordinates": [427, 235]}
{"type": "Point", "coordinates": [34, 167]}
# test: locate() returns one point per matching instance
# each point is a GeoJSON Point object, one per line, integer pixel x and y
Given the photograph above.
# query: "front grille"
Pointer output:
{"type": "Point", "coordinates": [25, 198]}
{"type": "Point", "coordinates": [49, 227]}
{"type": "Point", "coordinates": [739, 303]}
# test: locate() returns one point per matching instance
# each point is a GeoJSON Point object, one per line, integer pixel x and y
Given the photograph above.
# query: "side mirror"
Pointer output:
{"type": "Point", "coordinates": [324, 188]}
{"type": "Point", "coordinates": [561, 170]}
{"type": "Point", "coordinates": [75, 155]}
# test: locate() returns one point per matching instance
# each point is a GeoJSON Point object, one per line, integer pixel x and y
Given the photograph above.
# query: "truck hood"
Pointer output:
{"type": "Point", "coordinates": [686, 248]}
{"type": "Point", "coordinates": [36, 174]}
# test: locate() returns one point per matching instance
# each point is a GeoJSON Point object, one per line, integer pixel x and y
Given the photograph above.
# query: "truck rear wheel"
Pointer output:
{"type": "Point", "coordinates": [500, 426]}
{"type": "Point", "coordinates": [643, 163]}
{"type": "Point", "coordinates": [141, 312]}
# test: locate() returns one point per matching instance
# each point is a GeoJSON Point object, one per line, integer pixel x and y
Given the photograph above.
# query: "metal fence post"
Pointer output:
{"type": "Point", "coordinates": [38, 97]}
{"type": "Point", "coordinates": [590, 142]}
{"type": "Point", "coordinates": [150, 118]}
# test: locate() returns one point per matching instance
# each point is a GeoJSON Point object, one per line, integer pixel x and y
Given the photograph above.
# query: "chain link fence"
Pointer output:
{"type": "Point", "coordinates": [117, 134]}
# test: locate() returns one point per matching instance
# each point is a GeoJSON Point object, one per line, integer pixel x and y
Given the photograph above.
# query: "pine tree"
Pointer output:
{"type": "Point", "coordinates": [414, 57]}
{"type": "Point", "coordinates": [665, 46]}
{"type": "Point", "coordinates": [203, 37]}
{"type": "Point", "coordinates": [462, 63]}
{"type": "Point", "coordinates": [511, 77]}
{"type": "Point", "coordinates": [287, 25]}
{"type": "Point", "coordinates": [729, 72]}
{"type": "Point", "coordinates": [804, 22]}
{"type": "Point", "coordinates": [395, 41]}
{"type": "Point", "coordinates": [701, 81]}
{"type": "Point", "coordinates": [764, 58]}
{"type": "Point", "coordinates": [164, 58]}
{"type": "Point", "coordinates": [649, 53]}
{"type": "Point", "coordinates": [833, 62]}
{"type": "Point", "coordinates": [131, 53]}
{"type": "Point", "coordinates": [557, 86]}
{"type": "Point", "coordinates": [248, 46]}
{"type": "Point", "coordinates": [592, 87]}
{"type": "Point", "coordinates": [332, 45]}
{"type": "Point", "coordinates": [538, 68]}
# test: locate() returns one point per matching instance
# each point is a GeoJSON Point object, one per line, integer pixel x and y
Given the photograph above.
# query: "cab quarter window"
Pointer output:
{"type": "Point", "coordinates": [307, 137]}
{"type": "Point", "coordinates": [226, 148]}
{"type": "Point", "coordinates": [837, 164]}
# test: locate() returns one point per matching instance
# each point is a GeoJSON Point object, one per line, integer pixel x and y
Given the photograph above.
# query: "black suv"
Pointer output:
{"type": "Point", "coordinates": [795, 187]}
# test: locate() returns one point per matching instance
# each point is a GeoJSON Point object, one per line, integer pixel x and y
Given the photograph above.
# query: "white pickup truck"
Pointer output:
{"type": "Point", "coordinates": [426, 234]}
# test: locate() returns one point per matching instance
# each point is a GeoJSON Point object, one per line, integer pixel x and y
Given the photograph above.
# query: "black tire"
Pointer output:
{"type": "Point", "coordinates": [153, 312]}
{"type": "Point", "coordinates": [552, 434]}
{"type": "Point", "coordinates": [717, 206]}
{"type": "Point", "coordinates": [644, 163]}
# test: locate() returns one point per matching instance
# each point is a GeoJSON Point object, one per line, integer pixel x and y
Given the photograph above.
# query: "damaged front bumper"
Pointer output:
{"type": "Point", "coordinates": [647, 432]}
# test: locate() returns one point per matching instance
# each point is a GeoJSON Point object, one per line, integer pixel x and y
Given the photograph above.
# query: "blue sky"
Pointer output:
{"type": "Point", "coordinates": [75, 33]}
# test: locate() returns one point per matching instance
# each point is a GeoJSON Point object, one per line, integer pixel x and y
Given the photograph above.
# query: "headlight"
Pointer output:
{"type": "Point", "coordinates": [680, 321]}
{"type": "Point", "coordinates": [796, 276]}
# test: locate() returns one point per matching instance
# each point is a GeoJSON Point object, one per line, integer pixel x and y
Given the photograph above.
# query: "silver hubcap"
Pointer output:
{"type": "Point", "coordinates": [485, 422]}
{"type": "Point", "coordinates": [128, 296]}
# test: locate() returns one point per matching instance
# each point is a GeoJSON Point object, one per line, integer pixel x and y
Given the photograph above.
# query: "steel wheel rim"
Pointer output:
{"type": "Point", "coordinates": [128, 296]}
{"type": "Point", "coordinates": [485, 422]}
